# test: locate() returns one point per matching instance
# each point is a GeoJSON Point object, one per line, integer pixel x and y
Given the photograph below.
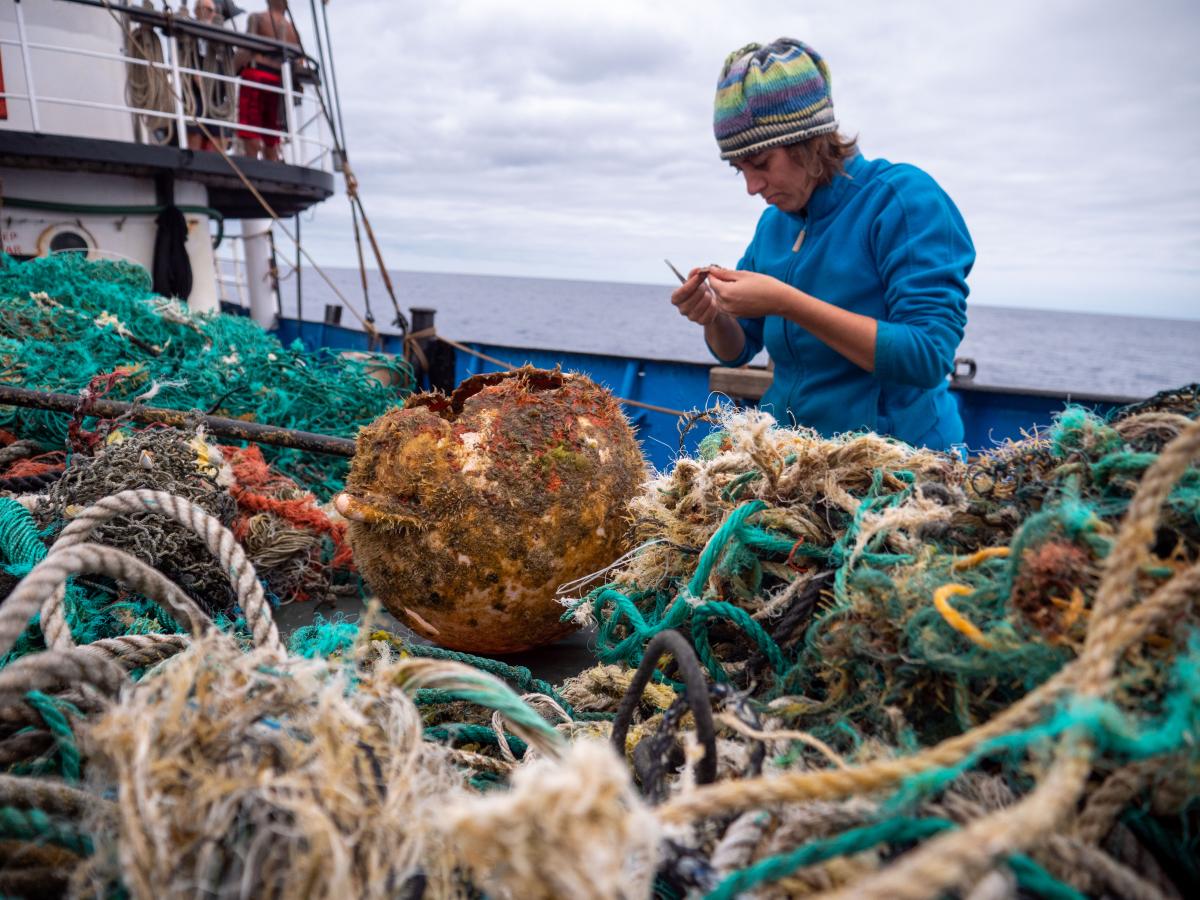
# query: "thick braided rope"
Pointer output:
{"type": "Point", "coordinates": [1116, 633]}
{"type": "Point", "coordinates": [53, 571]}
{"type": "Point", "coordinates": [219, 540]}
{"type": "Point", "coordinates": [1086, 867]}
{"type": "Point", "coordinates": [1138, 528]}
{"type": "Point", "coordinates": [53, 713]}
{"type": "Point", "coordinates": [53, 620]}
{"type": "Point", "coordinates": [136, 651]}
{"type": "Point", "coordinates": [20, 715]}
{"type": "Point", "coordinates": [18, 450]}
{"type": "Point", "coordinates": [52, 797]}
{"type": "Point", "coordinates": [1110, 798]}
{"type": "Point", "coordinates": [35, 826]}
{"type": "Point", "coordinates": [960, 857]}
{"type": "Point", "coordinates": [951, 860]}
{"type": "Point", "coordinates": [55, 668]}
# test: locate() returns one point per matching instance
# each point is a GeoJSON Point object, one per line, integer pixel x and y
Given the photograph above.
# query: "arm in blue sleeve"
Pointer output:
{"type": "Point", "coordinates": [924, 252]}
{"type": "Point", "coordinates": [753, 328]}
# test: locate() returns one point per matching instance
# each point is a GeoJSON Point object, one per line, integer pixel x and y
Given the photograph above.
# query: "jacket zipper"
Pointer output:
{"type": "Point", "coordinates": [795, 261]}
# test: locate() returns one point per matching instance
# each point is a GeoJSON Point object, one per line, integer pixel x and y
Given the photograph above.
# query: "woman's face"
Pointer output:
{"type": "Point", "coordinates": [778, 178]}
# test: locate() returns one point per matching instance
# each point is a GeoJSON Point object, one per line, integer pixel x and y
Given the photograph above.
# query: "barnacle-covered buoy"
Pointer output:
{"type": "Point", "coordinates": [468, 511]}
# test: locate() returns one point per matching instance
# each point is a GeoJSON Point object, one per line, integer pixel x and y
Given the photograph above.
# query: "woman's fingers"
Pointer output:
{"type": "Point", "coordinates": [695, 298]}
{"type": "Point", "coordinates": [699, 306]}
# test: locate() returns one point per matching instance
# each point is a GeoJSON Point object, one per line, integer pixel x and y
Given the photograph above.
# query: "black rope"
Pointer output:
{"type": "Point", "coordinates": [696, 696]}
{"type": "Point", "coordinates": [29, 482]}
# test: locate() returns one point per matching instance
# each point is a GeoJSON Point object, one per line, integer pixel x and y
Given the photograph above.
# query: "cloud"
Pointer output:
{"type": "Point", "coordinates": [574, 140]}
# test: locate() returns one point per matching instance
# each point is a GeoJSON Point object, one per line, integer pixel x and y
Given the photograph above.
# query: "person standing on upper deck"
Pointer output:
{"type": "Point", "coordinates": [260, 108]}
{"type": "Point", "coordinates": [855, 280]}
{"type": "Point", "coordinates": [204, 12]}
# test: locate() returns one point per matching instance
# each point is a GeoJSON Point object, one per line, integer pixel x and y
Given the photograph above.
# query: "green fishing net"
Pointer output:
{"type": "Point", "coordinates": [67, 320]}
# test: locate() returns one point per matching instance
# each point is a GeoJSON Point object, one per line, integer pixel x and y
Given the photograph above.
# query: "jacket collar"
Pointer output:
{"type": "Point", "coordinates": [827, 198]}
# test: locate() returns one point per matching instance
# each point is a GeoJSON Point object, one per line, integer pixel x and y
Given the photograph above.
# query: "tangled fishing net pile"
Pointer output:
{"type": "Point", "coordinates": [839, 666]}
{"type": "Point", "coordinates": [831, 666]}
{"type": "Point", "coordinates": [925, 676]}
{"type": "Point", "coordinates": [68, 320]}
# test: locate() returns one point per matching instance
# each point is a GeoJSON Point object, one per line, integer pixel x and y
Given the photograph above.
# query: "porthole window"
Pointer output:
{"type": "Point", "coordinates": [68, 240]}
{"type": "Point", "coordinates": [66, 237]}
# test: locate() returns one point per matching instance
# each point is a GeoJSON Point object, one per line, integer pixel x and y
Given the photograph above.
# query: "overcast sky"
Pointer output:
{"type": "Point", "coordinates": [574, 139]}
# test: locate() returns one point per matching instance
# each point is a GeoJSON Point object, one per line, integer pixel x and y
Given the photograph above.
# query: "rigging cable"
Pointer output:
{"type": "Point", "coordinates": [356, 204]}
{"type": "Point", "coordinates": [337, 97]}
{"type": "Point", "coordinates": [338, 130]}
{"type": "Point", "coordinates": [299, 278]}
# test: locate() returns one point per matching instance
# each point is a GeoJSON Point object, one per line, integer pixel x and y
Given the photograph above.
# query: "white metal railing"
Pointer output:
{"type": "Point", "coordinates": [304, 136]}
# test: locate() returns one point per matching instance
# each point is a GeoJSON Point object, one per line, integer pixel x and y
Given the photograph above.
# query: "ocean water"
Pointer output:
{"type": "Point", "coordinates": [1121, 356]}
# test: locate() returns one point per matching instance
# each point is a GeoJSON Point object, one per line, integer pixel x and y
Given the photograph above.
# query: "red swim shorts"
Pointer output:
{"type": "Point", "coordinates": [258, 108]}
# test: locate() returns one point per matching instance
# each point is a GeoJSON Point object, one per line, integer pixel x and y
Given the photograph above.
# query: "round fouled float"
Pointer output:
{"type": "Point", "coordinates": [468, 511]}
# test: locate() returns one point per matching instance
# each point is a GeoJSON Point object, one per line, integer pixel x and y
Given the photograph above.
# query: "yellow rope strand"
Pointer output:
{"type": "Point", "coordinates": [970, 562]}
{"type": "Point", "coordinates": [955, 619]}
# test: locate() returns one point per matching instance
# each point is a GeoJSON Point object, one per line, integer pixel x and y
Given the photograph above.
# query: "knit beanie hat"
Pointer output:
{"type": "Point", "coordinates": [772, 95]}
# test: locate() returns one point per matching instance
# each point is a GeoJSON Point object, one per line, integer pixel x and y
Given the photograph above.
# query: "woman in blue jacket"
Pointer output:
{"type": "Point", "coordinates": [855, 281]}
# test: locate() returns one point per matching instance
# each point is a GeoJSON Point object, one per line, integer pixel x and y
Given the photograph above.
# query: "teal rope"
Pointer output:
{"type": "Point", "coordinates": [33, 825]}
{"type": "Point", "coordinates": [518, 675]}
{"type": "Point", "coordinates": [464, 733]}
{"type": "Point", "coordinates": [854, 841]}
{"type": "Point", "coordinates": [630, 649]}
{"type": "Point", "coordinates": [22, 549]}
{"type": "Point", "coordinates": [901, 830]}
{"type": "Point", "coordinates": [717, 543]}
{"type": "Point", "coordinates": [52, 711]}
{"type": "Point", "coordinates": [19, 542]}
{"type": "Point", "coordinates": [743, 620]}
{"type": "Point", "coordinates": [1037, 880]}
{"type": "Point", "coordinates": [490, 696]}
{"type": "Point", "coordinates": [735, 537]}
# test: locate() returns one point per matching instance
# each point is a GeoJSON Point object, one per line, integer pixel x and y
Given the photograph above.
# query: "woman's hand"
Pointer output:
{"type": "Point", "coordinates": [747, 294]}
{"type": "Point", "coordinates": [695, 300]}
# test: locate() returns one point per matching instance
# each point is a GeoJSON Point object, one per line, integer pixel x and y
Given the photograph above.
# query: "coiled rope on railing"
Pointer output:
{"type": "Point", "coordinates": [147, 84]}
{"type": "Point", "coordinates": [217, 97]}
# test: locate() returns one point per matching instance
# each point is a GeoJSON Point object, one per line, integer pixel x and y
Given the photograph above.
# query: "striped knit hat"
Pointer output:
{"type": "Point", "coordinates": [772, 95]}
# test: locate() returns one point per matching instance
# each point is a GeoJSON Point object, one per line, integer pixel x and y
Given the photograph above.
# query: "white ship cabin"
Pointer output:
{"type": "Point", "coordinates": [113, 116]}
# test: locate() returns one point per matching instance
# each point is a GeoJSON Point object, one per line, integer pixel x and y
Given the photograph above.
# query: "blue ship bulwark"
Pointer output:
{"type": "Point", "coordinates": [990, 415]}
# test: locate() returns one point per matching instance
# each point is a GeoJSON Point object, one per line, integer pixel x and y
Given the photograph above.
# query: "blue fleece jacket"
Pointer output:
{"type": "Point", "coordinates": [885, 241]}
